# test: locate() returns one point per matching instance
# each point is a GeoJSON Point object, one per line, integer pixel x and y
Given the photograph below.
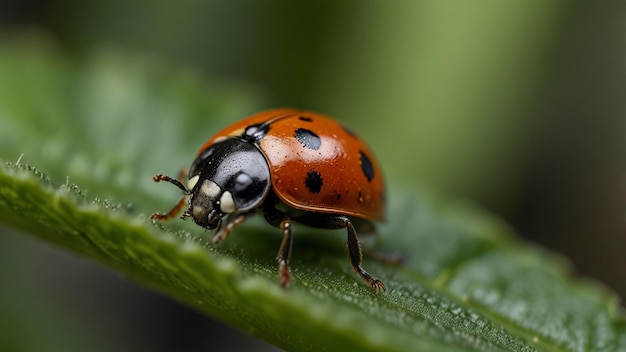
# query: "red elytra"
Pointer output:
{"type": "Point", "coordinates": [294, 166]}
{"type": "Point", "coordinates": [352, 183]}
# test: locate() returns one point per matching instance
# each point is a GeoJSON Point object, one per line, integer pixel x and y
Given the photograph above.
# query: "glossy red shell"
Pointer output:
{"type": "Point", "coordinates": [316, 164]}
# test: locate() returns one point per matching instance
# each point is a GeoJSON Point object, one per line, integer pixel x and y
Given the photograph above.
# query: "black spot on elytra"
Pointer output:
{"type": "Point", "coordinates": [367, 167]}
{"type": "Point", "coordinates": [305, 118]}
{"type": "Point", "coordinates": [313, 181]}
{"type": "Point", "coordinates": [308, 138]}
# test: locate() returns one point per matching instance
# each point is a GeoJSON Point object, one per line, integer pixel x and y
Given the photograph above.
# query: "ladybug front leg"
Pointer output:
{"type": "Point", "coordinates": [181, 202]}
{"type": "Point", "coordinates": [172, 212]}
{"type": "Point", "coordinates": [232, 223]}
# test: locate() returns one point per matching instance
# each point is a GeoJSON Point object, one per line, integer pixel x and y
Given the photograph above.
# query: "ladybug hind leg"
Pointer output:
{"type": "Point", "coordinates": [353, 247]}
{"type": "Point", "coordinates": [369, 236]}
{"type": "Point", "coordinates": [355, 254]}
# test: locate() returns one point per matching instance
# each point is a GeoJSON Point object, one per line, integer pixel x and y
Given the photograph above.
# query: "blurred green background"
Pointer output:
{"type": "Point", "coordinates": [514, 105]}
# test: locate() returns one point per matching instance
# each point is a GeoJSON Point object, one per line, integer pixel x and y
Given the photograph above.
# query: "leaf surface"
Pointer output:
{"type": "Point", "coordinates": [111, 122]}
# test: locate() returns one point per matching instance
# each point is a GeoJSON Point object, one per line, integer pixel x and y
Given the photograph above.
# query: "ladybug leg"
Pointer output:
{"type": "Point", "coordinates": [353, 246]}
{"type": "Point", "coordinates": [367, 234]}
{"type": "Point", "coordinates": [284, 253]}
{"type": "Point", "coordinates": [354, 253]}
{"type": "Point", "coordinates": [366, 228]}
{"type": "Point", "coordinates": [172, 213]}
{"type": "Point", "coordinates": [223, 233]}
{"type": "Point", "coordinates": [181, 202]}
{"type": "Point", "coordinates": [278, 219]}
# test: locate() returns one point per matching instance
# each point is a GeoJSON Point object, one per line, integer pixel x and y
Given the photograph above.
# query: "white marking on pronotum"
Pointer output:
{"type": "Point", "coordinates": [210, 189]}
{"type": "Point", "coordinates": [227, 204]}
{"type": "Point", "coordinates": [192, 182]}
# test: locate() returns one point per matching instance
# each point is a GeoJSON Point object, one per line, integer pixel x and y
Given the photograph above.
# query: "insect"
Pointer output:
{"type": "Point", "coordinates": [290, 165]}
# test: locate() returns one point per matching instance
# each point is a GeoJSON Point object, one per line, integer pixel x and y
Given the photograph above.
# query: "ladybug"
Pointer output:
{"type": "Point", "coordinates": [291, 165]}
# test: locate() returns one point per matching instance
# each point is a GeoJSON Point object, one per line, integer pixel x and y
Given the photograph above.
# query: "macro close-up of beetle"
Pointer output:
{"type": "Point", "coordinates": [290, 165]}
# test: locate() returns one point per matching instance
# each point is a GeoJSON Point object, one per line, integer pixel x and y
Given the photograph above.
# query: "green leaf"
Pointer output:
{"type": "Point", "coordinates": [111, 122]}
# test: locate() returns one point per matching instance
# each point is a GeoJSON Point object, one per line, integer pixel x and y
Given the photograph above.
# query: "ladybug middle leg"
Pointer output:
{"type": "Point", "coordinates": [284, 253]}
{"type": "Point", "coordinates": [280, 220]}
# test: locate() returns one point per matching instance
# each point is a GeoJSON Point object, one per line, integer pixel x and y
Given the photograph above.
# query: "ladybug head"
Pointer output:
{"type": "Point", "coordinates": [228, 177]}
